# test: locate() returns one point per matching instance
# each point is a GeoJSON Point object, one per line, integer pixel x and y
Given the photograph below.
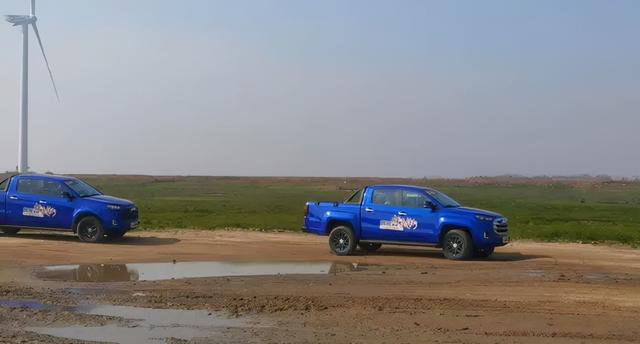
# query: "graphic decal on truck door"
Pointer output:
{"type": "Point", "coordinates": [39, 210]}
{"type": "Point", "coordinates": [398, 223]}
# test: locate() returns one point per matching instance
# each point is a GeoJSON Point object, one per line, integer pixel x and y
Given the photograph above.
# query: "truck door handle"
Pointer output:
{"type": "Point", "coordinates": [402, 213]}
{"type": "Point", "coordinates": [13, 197]}
{"type": "Point", "coordinates": [368, 210]}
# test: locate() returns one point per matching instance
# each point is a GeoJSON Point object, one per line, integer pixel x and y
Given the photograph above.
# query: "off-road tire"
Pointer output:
{"type": "Point", "coordinates": [342, 242]}
{"type": "Point", "coordinates": [89, 229]}
{"type": "Point", "coordinates": [10, 231]}
{"type": "Point", "coordinates": [484, 253]}
{"type": "Point", "coordinates": [369, 246]}
{"type": "Point", "coordinates": [457, 245]}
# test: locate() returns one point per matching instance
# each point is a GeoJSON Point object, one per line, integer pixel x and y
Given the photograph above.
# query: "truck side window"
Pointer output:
{"type": "Point", "coordinates": [389, 197]}
{"type": "Point", "coordinates": [4, 184]}
{"type": "Point", "coordinates": [412, 199]}
{"type": "Point", "coordinates": [40, 187]}
{"type": "Point", "coordinates": [356, 198]}
{"type": "Point", "coordinates": [28, 186]}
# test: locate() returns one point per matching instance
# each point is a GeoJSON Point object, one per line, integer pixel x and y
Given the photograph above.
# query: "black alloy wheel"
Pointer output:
{"type": "Point", "coordinates": [89, 229]}
{"type": "Point", "coordinates": [342, 242]}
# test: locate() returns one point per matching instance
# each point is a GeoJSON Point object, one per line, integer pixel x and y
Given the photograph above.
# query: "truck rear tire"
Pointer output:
{"type": "Point", "coordinates": [89, 229]}
{"type": "Point", "coordinates": [342, 242]}
{"type": "Point", "coordinates": [10, 231]}
{"type": "Point", "coordinates": [457, 245]}
{"type": "Point", "coordinates": [369, 246]}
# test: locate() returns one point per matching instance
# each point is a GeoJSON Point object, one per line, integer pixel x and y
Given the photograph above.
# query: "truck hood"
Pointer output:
{"type": "Point", "coordinates": [475, 211]}
{"type": "Point", "coordinates": [109, 200]}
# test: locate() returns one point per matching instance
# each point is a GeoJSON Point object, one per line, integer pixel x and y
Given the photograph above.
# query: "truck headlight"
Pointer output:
{"type": "Point", "coordinates": [484, 218]}
{"type": "Point", "coordinates": [113, 207]}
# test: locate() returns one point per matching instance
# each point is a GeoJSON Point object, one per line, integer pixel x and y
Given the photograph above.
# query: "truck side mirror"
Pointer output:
{"type": "Point", "coordinates": [430, 205]}
{"type": "Point", "coordinates": [67, 195]}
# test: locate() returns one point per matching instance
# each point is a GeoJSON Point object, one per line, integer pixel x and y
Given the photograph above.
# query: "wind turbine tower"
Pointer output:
{"type": "Point", "coordinates": [25, 21]}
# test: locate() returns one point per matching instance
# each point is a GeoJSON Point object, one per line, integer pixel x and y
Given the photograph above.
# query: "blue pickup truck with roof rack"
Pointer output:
{"type": "Point", "coordinates": [34, 201]}
{"type": "Point", "coordinates": [406, 215]}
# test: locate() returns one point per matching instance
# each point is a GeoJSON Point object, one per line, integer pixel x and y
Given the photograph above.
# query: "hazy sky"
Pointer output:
{"type": "Point", "coordinates": [329, 88]}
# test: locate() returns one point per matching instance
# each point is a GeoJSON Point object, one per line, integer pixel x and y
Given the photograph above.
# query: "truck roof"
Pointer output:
{"type": "Point", "coordinates": [49, 176]}
{"type": "Point", "coordinates": [402, 186]}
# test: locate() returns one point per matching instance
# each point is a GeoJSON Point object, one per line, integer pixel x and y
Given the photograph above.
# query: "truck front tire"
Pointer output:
{"type": "Point", "coordinates": [457, 245]}
{"type": "Point", "coordinates": [10, 231]}
{"type": "Point", "coordinates": [342, 242]}
{"type": "Point", "coordinates": [89, 229]}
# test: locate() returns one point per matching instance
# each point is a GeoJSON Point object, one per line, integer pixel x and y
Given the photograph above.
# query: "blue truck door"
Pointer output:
{"type": "Point", "coordinates": [421, 222]}
{"type": "Point", "coordinates": [3, 207]}
{"type": "Point", "coordinates": [34, 204]}
{"type": "Point", "coordinates": [60, 208]}
{"type": "Point", "coordinates": [379, 208]}
{"type": "Point", "coordinates": [4, 188]}
{"type": "Point", "coordinates": [22, 204]}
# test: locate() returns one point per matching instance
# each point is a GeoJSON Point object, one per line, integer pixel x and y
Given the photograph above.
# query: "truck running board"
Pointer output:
{"type": "Point", "coordinates": [402, 243]}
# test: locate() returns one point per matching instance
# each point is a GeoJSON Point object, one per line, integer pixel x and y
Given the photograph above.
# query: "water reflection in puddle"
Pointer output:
{"type": "Point", "coordinates": [145, 325]}
{"type": "Point", "coordinates": [34, 305]}
{"type": "Point", "coordinates": [536, 273]}
{"type": "Point", "coordinates": [179, 270]}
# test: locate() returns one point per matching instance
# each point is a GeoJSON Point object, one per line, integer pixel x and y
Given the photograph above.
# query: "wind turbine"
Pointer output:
{"type": "Point", "coordinates": [25, 21]}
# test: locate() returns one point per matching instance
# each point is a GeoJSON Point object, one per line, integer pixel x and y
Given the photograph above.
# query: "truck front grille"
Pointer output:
{"type": "Point", "coordinates": [501, 226]}
{"type": "Point", "coordinates": [130, 214]}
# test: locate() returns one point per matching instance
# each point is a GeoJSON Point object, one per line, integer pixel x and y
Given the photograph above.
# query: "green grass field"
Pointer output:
{"type": "Point", "coordinates": [589, 211]}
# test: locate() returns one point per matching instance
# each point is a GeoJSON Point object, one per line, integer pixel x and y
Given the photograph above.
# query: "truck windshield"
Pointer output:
{"type": "Point", "coordinates": [83, 189]}
{"type": "Point", "coordinates": [443, 199]}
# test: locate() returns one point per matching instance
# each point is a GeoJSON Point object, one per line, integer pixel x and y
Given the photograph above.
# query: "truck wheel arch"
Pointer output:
{"type": "Point", "coordinates": [80, 216]}
{"type": "Point", "coordinates": [446, 228]}
{"type": "Point", "coordinates": [337, 223]}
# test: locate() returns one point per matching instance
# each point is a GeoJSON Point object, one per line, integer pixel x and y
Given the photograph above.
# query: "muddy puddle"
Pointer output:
{"type": "Point", "coordinates": [143, 325]}
{"type": "Point", "coordinates": [181, 270]}
{"type": "Point", "coordinates": [33, 305]}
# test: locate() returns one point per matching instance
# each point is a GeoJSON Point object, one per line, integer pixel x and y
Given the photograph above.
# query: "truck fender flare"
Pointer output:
{"type": "Point", "coordinates": [339, 219]}
{"type": "Point", "coordinates": [80, 215]}
{"type": "Point", "coordinates": [445, 227]}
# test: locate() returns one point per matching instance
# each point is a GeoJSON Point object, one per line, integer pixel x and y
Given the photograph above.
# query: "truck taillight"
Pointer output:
{"type": "Point", "coordinates": [306, 209]}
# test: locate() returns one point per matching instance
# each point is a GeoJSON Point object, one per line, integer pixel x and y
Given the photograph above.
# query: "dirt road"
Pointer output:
{"type": "Point", "coordinates": [526, 293]}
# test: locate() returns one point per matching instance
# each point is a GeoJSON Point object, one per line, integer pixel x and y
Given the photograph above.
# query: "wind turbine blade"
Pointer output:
{"type": "Point", "coordinates": [53, 82]}
{"type": "Point", "coordinates": [33, 7]}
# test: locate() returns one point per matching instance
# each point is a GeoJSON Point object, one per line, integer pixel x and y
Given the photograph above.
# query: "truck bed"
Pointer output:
{"type": "Point", "coordinates": [317, 212]}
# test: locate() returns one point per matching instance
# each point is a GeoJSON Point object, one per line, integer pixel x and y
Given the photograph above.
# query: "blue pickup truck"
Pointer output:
{"type": "Point", "coordinates": [406, 215]}
{"type": "Point", "coordinates": [64, 203]}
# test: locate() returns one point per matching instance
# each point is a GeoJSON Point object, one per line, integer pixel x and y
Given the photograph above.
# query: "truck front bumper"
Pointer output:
{"type": "Point", "coordinates": [503, 240]}
{"type": "Point", "coordinates": [120, 225]}
{"type": "Point", "coordinates": [124, 220]}
{"type": "Point", "coordinates": [489, 236]}
{"type": "Point", "coordinates": [492, 239]}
